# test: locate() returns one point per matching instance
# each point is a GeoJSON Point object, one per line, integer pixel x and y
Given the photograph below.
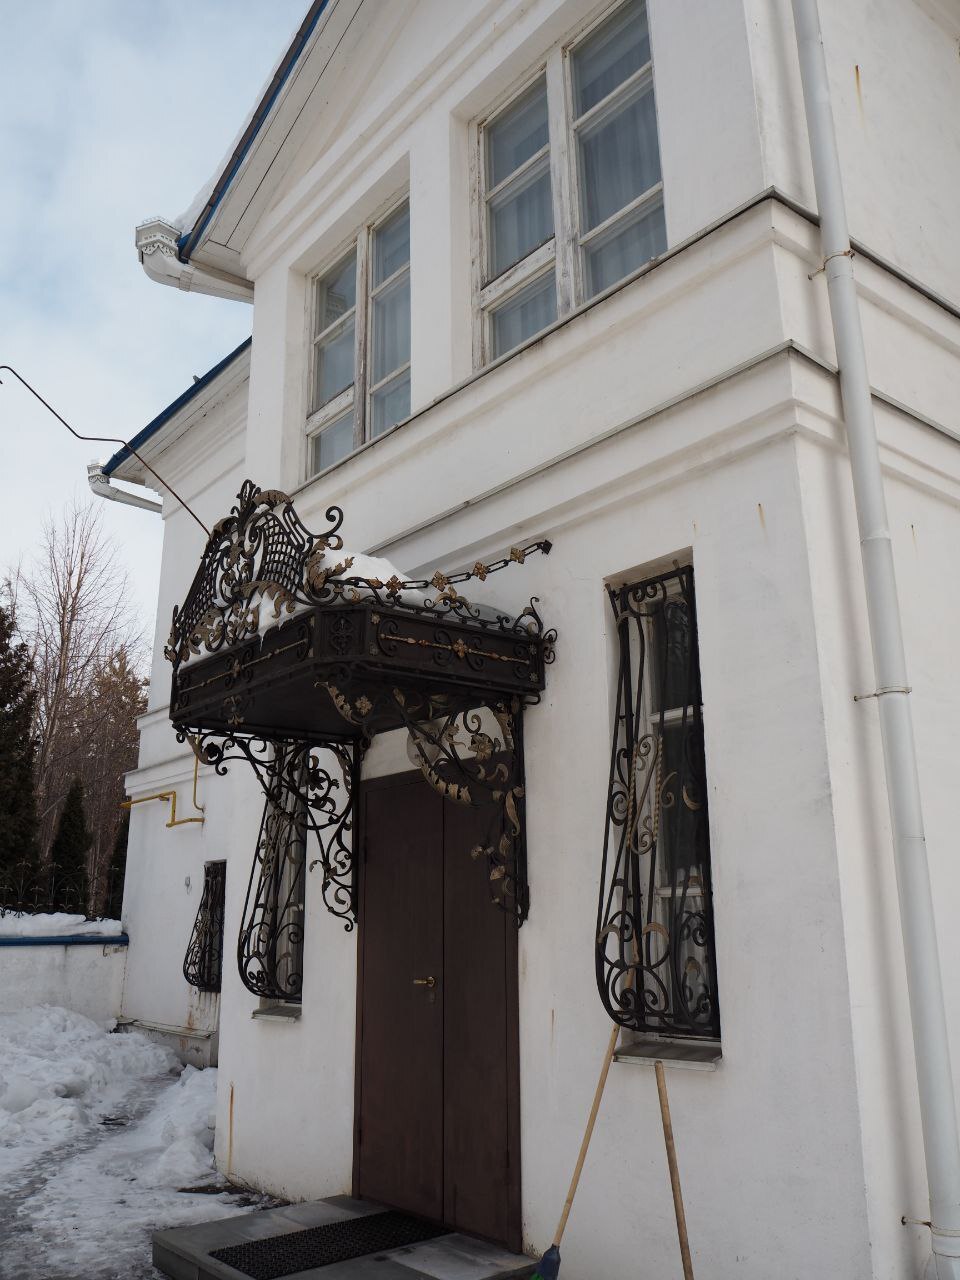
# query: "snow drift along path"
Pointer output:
{"type": "Point", "coordinates": [98, 1132]}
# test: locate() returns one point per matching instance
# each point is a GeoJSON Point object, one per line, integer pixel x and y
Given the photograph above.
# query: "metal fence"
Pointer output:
{"type": "Point", "coordinates": [26, 888]}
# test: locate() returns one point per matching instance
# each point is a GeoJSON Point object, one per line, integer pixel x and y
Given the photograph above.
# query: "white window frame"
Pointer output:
{"type": "Point", "coordinates": [565, 253]}
{"type": "Point", "coordinates": [349, 400]}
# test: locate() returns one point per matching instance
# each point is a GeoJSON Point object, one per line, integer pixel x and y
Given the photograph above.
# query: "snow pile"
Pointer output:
{"type": "Point", "coordinates": [60, 1076]}
{"type": "Point", "coordinates": [82, 1195]}
{"type": "Point", "coordinates": [173, 1145]}
{"type": "Point", "coordinates": [55, 924]}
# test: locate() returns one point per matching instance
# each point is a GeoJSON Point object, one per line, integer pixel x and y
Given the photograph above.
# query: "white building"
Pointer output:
{"type": "Point", "coordinates": [528, 270]}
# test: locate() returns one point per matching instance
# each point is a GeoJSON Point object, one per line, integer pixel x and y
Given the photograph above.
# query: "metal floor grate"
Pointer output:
{"type": "Point", "coordinates": [322, 1246]}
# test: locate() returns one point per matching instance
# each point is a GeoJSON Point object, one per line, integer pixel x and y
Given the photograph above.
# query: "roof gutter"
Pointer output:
{"type": "Point", "coordinates": [100, 484]}
{"type": "Point", "coordinates": [156, 243]}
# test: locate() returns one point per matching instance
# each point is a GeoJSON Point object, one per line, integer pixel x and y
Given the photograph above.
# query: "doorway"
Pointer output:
{"type": "Point", "coordinates": [437, 1122]}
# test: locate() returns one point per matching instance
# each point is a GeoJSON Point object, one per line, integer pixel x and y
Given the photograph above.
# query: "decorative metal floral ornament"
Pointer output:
{"type": "Point", "coordinates": [279, 653]}
{"type": "Point", "coordinates": [262, 558]}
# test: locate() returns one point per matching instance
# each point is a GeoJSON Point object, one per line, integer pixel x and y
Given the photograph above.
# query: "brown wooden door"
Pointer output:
{"type": "Point", "coordinates": [438, 1068]}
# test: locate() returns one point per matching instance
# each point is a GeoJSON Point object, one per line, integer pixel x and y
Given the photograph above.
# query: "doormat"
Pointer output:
{"type": "Point", "coordinates": [322, 1246]}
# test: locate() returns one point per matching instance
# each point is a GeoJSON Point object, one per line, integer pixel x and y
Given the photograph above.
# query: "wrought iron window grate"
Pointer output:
{"type": "Point", "coordinates": [655, 940]}
{"type": "Point", "coordinates": [270, 946]}
{"type": "Point", "coordinates": [203, 963]}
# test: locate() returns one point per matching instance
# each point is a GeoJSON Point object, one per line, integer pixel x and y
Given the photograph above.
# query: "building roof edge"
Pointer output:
{"type": "Point", "coordinates": [146, 433]}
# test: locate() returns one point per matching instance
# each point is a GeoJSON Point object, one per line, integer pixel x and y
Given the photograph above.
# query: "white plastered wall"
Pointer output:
{"type": "Point", "coordinates": [800, 1152]}
{"type": "Point", "coordinates": [895, 89]}
{"type": "Point", "coordinates": [164, 878]}
{"type": "Point", "coordinates": [922, 473]}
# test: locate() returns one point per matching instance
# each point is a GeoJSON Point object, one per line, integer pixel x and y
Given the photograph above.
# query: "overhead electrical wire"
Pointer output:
{"type": "Point", "coordinates": [105, 440]}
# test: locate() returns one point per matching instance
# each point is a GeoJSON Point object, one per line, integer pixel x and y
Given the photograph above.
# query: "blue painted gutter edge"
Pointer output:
{"type": "Point", "coordinates": [70, 940]}
{"type": "Point", "coordinates": [165, 415]}
{"type": "Point", "coordinates": [189, 240]}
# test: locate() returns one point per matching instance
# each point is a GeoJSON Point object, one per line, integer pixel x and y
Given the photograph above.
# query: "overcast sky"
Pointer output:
{"type": "Point", "coordinates": [111, 112]}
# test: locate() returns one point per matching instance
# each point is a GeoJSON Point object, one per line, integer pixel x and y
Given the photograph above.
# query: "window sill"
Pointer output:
{"type": "Point", "coordinates": [277, 1013]}
{"type": "Point", "coordinates": [692, 1057]}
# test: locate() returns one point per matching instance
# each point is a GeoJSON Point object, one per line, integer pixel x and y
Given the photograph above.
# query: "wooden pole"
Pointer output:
{"type": "Point", "coordinates": [588, 1134]}
{"type": "Point", "coordinates": [674, 1172]}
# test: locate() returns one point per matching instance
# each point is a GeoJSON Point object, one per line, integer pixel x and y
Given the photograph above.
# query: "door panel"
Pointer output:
{"type": "Point", "coordinates": [438, 1068]}
{"type": "Point", "coordinates": [401, 1049]}
{"type": "Point", "coordinates": [479, 946]}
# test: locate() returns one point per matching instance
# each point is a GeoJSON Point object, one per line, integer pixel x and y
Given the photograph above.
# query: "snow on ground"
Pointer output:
{"type": "Point", "coordinates": [54, 924]}
{"type": "Point", "coordinates": [98, 1134]}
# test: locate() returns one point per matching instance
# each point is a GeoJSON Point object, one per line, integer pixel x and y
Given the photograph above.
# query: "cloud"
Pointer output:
{"type": "Point", "coordinates": [111, 111]}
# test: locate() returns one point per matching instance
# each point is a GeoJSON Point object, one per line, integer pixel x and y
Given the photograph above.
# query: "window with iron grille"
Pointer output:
{"type": "Point", "coordinates": [655, 942]}
{"type": "Point", "coordinates": [270, 946]}
{"type": "Point", "coordinates": [203, 963]}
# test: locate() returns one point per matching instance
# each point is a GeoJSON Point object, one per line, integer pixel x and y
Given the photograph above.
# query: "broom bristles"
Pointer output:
{"type": "Point", "coordinates": [549, 1266]}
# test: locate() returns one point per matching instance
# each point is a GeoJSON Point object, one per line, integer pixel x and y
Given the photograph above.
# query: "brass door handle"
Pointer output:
{"type": "Point", "coordinates": [424, 982]}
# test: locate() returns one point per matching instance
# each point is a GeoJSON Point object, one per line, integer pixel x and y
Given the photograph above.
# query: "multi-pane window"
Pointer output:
{"type": "Point", "coordinates": [361, 322]}
{"type": "Point", "coordinates": [655, 951]}
{"type": "Point", "coordinates": [565, 217]}
{"type": "Point", "coordinates": [618, 157]}
{"type": "Point", "coordinates": [518, 221]}
{"type": "Point", "coordinates": [390, 324]}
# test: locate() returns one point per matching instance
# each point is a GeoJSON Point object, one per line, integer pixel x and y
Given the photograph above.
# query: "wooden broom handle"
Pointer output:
{"type": "Point", "coordinates": [588, 1134]}
{"type": "Point", "coordinates": [674, 1172]}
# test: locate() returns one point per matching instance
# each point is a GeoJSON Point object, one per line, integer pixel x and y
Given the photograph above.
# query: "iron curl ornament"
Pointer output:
{"type": "Point", "coordinates": [203, 962]}
{"type": "Point", "coordinates": [471, 755]}
{"type": "Point", "coordinates": [655, 943]}
{"type": "Point", "coordinates": [285, 659]}
{"type": "Point", "coordinates": [261, 565]}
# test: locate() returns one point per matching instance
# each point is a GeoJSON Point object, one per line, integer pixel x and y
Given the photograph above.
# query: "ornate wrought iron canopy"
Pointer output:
{"type": "Point", "coordinates": [280, 655]}
{"type": "Point", "coordinates": [275, 636]}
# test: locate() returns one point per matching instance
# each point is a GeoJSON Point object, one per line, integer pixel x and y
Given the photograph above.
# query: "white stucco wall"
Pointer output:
{"type": "Point", "coordinates": [164, 878]}
{"type": "Point", "coordinates": [895, 89]}
{"type": "Point", "coordinates": [672, 419]}
{"type": "Point", "coordinates": [84, 977]}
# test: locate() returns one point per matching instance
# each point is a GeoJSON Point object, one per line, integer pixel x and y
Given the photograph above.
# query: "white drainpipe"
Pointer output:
{"type": "Point", "coordinates": [934, 1076]}
{"type": "Point", "coordinates": [99, 482]}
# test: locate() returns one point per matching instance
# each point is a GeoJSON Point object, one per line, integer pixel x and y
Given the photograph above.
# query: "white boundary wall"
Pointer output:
{"type": "Point", "coordinates": [84, 977]}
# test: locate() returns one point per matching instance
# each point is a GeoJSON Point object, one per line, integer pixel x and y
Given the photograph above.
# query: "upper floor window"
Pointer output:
{"type": "Point", "coordinates": [360, 384]}
{"type": "Point", "coordinates": [571, 194]}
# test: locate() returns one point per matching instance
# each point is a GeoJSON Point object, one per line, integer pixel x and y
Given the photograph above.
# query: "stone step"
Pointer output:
{"type": "Point", "coordinates": [183, 1253]}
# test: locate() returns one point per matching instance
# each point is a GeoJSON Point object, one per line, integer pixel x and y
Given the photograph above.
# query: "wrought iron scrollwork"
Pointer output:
{"type": "Point", "coordinates": [203, 962]}
{"type": "Point", "coordinates": [292, 773]}
{"type": "Point", "coordinates": [358, 638]}
{"type": "Point", "coordinates": [654, 947]}
{"type": "Point", "coordinates": [302, 797]}
{"type": "Point", "coordinates": [261, 564]}
{"type": "Point", "coordinates": [473, 755]}
{"type": "Point", "coordinates": [270, 946]}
